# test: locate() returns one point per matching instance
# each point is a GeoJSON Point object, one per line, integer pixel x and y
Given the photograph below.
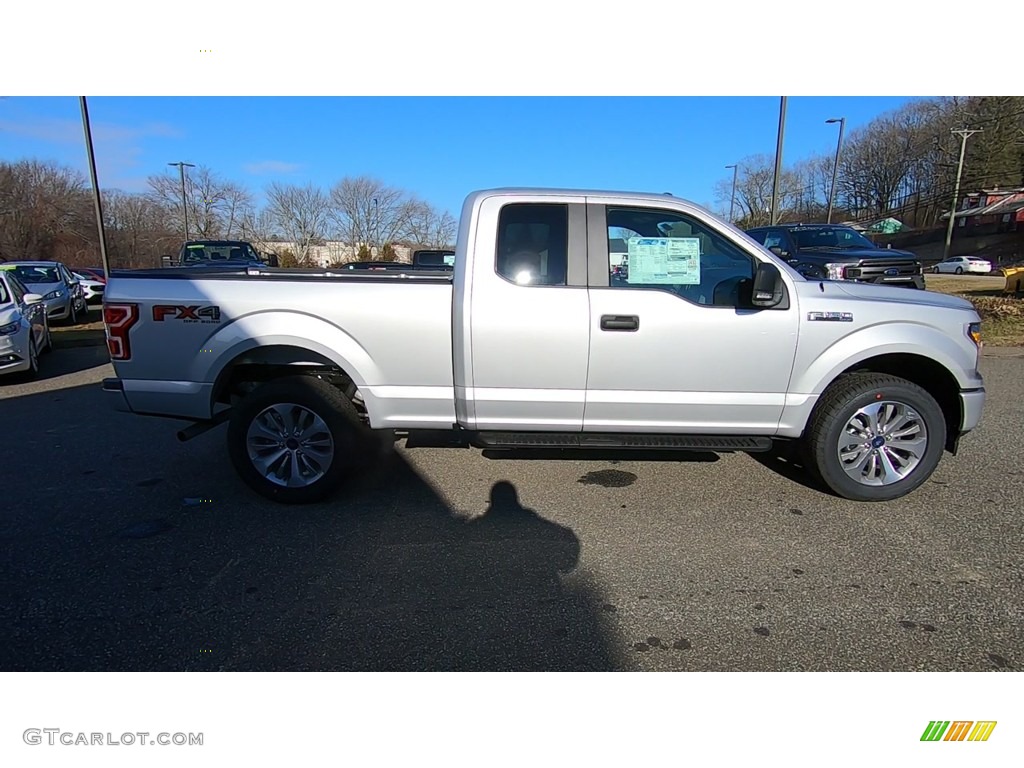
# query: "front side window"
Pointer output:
{"type": "Point", "coordinates": [533, 244]}
{"type": "Point", "coordinates": [676, 253]}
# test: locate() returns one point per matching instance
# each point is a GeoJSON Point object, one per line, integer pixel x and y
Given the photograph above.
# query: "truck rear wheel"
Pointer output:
{"type": "Point", "coordinates": [296, 439]}
{"type": "Point", "coordinates": [874, 437]}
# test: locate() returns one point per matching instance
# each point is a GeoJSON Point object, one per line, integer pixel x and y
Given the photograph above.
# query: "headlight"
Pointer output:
{"type": "Point", "coordinates": [835, 271]}
{"type": "Point", "coordinates": [7, 330]}
{"type": "Point", "coordinates": [974, 333]}
{"type": "Point", "coordinates": [53, 294]}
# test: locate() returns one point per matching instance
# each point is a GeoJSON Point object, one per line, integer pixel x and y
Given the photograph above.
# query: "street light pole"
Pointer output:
{"type": "Point", "coordinates": [835, 166]}
{"type": "Point", "coordinates": [778, 160]}
{"type": "Point", "coordinates": [184, 204]}
{"type": "Point", "coordinates": [97, 200]}
{"type": "Point", "coordinates": [732, 197]}
{"type": "Point", "coordinates": [964, 135]}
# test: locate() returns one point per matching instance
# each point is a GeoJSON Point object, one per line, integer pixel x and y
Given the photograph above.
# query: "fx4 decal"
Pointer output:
{"type": "Point", "coordinates": [192, 314]}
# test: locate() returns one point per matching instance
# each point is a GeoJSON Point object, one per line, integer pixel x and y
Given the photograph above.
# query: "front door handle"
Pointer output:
{"type": "Point", "coordinates": [620, 323]}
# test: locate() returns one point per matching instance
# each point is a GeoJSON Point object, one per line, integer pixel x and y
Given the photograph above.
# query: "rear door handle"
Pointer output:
{"type": "Point", "coordinates": [620, 323]}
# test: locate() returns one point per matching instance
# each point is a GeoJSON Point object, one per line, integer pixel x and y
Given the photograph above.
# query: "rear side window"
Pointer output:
{"type": "Point", "coordinates": [533, 244]}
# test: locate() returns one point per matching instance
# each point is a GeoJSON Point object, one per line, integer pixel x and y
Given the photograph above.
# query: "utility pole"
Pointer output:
{"type": "Point", "coordinates": [964, 135]}
{"type": "Point", "coordinates": [376, 226]}
{"type": "Point", "coordinates": [835, 167]}
{"type": "Point", "coordinates": [778, 161]}
{"type": "Point", "coordinates": [97, 201]}
{"type": "Point", "coordinates": [732, 197]}
{"type": "Point", "coordinates": [184, 204]}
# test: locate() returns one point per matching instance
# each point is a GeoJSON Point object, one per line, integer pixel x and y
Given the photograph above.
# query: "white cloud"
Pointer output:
{"type": "Point", "coordinates": [70, 131]}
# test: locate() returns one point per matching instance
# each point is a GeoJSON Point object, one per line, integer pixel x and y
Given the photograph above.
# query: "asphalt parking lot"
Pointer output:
{"type": "Point", "coordinates": [127, 550]}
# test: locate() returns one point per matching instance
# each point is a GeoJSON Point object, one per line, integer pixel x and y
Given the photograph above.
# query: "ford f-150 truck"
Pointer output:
{"type": "Point", "coordinates": [711, 343]}
{"type": "Point", "coordinates": [833, 252]}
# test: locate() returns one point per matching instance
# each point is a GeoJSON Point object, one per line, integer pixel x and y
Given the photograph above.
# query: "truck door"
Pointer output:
{"type": "Point", "coordinates": [528, 316]}
{"type": "Point", "coordinates": [672, 346]}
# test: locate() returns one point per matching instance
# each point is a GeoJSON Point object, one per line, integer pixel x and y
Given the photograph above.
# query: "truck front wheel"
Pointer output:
{"type": "Point", "coordinates": [874, 437]}
{"type": "Point", "coordinates": [295, 439]}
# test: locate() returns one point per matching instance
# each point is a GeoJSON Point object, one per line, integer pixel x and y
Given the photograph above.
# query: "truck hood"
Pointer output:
{"type": "Point", "coordinates": [856, 254]}
{"type": "Point", "coordinates": [898, 295]}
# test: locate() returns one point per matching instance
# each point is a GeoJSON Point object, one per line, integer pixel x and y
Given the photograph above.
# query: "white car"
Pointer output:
{"type": "Point", "coordinates": [52, 280]}
{"type": "Point", "coordinates": [92, 289]}
{"type": "Point", "coordinates": [959, 265]}
{"type": "Point", "coordinates": [24, 329]}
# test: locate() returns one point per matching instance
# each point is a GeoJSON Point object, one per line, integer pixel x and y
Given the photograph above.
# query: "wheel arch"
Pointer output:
{"type": "Point", "coordinates": [932, 376]}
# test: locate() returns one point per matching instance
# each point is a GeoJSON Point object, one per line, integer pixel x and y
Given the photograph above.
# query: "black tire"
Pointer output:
{"type": "Point", "coordinates": [840, 403]}
{"type": "Point", "coordinates": [959, 270]}
{"type": "Point", "coordinates": [349, 436]}
{"type": "Point", "coordinates": [72, 314]}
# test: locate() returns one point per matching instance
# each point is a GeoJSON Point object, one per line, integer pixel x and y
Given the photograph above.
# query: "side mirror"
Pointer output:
{"type": "Point", "coordinates": [32, 298]}
{"type": "Point", "coordinates": [272, 260]}
{"type": "Point", "coordinates": [769, 290]}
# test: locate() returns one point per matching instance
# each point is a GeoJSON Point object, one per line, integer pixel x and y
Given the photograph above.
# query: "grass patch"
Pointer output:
{"type": "Point", "coordinates": [966, 285]}
{"type": "Point", "coordinates": [1002, 317]}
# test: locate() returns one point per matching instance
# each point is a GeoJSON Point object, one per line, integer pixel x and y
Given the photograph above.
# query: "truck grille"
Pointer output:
{"type": "Point", "coordinates": [885, 271]}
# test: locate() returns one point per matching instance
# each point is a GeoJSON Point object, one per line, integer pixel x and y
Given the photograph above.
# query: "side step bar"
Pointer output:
{"type": "Point", "coordinates": [576, 440]}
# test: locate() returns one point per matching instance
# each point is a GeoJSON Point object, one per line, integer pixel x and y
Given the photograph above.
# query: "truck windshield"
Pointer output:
{"type": "Point", "coordinates": [830, 237]}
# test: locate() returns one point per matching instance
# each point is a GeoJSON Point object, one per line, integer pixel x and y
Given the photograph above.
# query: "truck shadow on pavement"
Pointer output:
{"type": "Point", "coordinates": [146, 554]}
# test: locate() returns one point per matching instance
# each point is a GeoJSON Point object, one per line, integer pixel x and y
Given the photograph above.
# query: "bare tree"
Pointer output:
{"type": "Point", "coordinates": [366, 211]}
{"type": "Point", "coordinates": [41, 203]}
{"type": "Point", "coordinates": [754, 182]}
{"type": "Point", "coordinates": [138, 229]}
{"type": "Point", "coordinates": [216, 206]}
{"type": "Point", "coordinates": [428, 228]}
{"type": "Point", "coordinates": [301, 214]}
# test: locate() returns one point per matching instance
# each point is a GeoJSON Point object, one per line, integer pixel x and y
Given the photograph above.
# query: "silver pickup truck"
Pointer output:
{"type": "Point", "coordinates": [710, 343]}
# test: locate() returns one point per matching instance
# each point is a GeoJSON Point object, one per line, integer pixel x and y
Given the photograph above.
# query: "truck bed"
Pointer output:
{"type": "Point", "coordinates": [390, 332]}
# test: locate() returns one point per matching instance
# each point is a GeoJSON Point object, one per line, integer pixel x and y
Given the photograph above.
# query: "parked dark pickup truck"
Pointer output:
{"type": "Point", "coordinates": [832, 252]}
{"type": "Point", "coordinates": [198, 253]}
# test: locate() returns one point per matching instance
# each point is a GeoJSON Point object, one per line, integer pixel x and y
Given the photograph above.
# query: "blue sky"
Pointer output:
{"type": "Point", "coordinates": [439, 148]}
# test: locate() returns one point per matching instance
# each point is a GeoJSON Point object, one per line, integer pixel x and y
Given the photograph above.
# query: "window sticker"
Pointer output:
{"type": "Point", "coordinates": [664, 260]}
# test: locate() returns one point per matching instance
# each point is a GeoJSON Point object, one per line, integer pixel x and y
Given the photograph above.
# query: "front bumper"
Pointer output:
{"type": "Point", "coordinates": [913, 281]}
{"type": "Point", "coordinates": [14, 352]}
{"type": "Point", "coordinates": [971, 403]}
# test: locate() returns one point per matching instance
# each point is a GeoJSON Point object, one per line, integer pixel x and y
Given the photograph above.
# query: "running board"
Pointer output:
{"type": "Point", "coordinates": [718, 443]}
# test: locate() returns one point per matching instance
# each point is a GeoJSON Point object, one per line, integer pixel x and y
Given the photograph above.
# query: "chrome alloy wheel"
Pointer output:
{"type": "Point", "coordinates": [882, 443]}
{"type": "Point", "coordinates": [290, 445]}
